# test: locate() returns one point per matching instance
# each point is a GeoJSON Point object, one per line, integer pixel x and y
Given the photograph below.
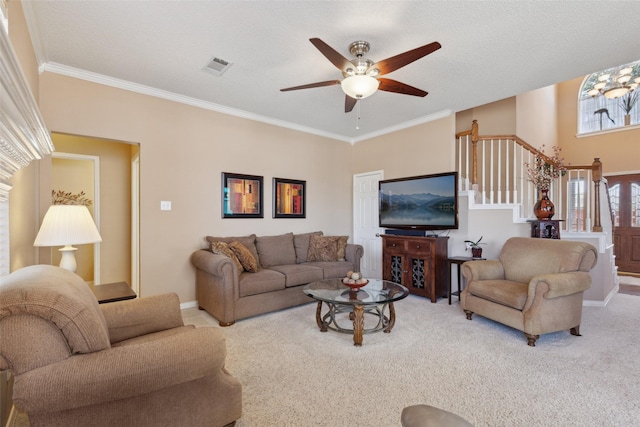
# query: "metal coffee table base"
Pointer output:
{"type": "Point", "coordinates": [356, 315]}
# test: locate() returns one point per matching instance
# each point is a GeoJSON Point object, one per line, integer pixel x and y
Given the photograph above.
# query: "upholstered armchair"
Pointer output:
{"type": "Point", "coordinates": [129, 363]}
{"type": "Point", "coordinates": [535, 285]}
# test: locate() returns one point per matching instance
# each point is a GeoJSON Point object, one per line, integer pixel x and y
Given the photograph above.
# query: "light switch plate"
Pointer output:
{"type": "Point", "coordinates": [165, 205]}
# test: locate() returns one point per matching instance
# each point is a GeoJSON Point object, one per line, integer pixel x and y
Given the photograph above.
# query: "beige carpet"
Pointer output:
{"type": "Point", "coordinates": [294, 375]}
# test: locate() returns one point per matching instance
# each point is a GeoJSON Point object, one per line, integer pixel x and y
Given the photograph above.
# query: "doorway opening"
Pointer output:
{"type": "Point", "coordinates": [116, 201]}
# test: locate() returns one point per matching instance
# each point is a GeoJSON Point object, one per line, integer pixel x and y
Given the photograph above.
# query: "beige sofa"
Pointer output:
{"type": "Point", "coordinates": [129, 363]}
{"type": "Point", "coordinates": [535, 285]}
{"type": "Point", "coordinates": [284, 264]}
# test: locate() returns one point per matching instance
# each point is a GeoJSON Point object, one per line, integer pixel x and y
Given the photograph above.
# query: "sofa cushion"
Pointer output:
{"type": "Point", "coordinates": [333, 269]}
{"type": "Point", "coordinates": [276, 250]}
{"type": "Point", "coordinates": [505, 292]}
{"type": "Point", "coordinates": [246, 258]}
{"type": "Point", "coordinates": [301, 243]}
{"type": "Point", "coordinates": [249, 242]}
{"type": "Point", "coordinates": [221, 248]}
{"type": "Point", "coordinates": [300, 274]}
{"type": "Point", "coordinates": [264, 280]}
{"type": "Point", "coordinates": [322, 248]}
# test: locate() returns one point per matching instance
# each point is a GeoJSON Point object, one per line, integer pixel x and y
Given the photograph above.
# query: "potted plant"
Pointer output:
{"type": "Point", "coordinates": [627, 103]}
{"type": "Point", "coordinates": [476, 249]}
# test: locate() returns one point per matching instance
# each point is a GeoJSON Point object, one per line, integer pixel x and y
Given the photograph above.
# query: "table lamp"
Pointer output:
{"type": "Point", "coordinates": [67, 225]}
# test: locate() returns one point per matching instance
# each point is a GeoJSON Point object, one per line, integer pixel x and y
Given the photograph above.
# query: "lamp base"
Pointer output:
{"type": "Point", "coordinates": [68, 260]}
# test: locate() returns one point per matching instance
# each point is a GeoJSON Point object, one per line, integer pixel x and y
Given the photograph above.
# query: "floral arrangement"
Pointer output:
{"type": "Point", "coordinates": [545, 169]}
{"type": "Point", "coordinates": [67, 198]}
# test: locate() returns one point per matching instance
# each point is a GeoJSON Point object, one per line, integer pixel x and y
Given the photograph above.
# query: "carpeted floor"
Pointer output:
{"type": "Point", "coordinates": [294, 375]}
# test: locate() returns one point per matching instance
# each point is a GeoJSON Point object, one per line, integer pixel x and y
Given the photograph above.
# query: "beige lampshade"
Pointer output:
{"type": "Point", "coordinates": [67, 225]}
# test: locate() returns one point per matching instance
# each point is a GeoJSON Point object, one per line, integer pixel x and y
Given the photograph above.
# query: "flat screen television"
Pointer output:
{"type": "Point", "coordinates": [426, 202]}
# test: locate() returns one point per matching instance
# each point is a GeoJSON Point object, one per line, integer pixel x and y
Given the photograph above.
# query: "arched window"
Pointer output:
{"type": "Point", "coordinates": [606, 97]}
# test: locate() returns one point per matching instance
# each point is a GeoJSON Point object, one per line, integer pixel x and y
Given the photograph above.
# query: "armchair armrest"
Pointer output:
{"type": "Point", "coordinates": [132, 318]}
{"type": "Point", "coordinates": [483, 270]}
{"type": "Point", "coordinates": [121, 372]}
{"type": "Point", "coordinates": [559, 284]}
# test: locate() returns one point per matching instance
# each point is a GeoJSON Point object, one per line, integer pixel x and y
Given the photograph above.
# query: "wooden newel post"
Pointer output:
{"type": "Point", "coordinates": [474, 153]}
{"type": "Point", "coordinates": [597, 177]}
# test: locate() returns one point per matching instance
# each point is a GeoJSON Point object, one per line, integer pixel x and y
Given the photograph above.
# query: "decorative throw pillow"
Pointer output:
{"type": "Point", "coordinates": [301, 244]}
{"type": "Point", "coordinates": [249, 242]}
{"type": "Point", "coordinates": [322, 248]}
{"type": "Point", "coordinates": [221, 248]}
{"type": "Point", "coordinates": [248, 261]}
{"type": "Point", "coordinates": [342, 245]}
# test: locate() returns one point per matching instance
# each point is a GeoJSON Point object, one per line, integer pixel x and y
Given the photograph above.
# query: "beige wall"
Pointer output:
{"type": "Point", "coordinates": [619, 151]}
{"type": "Point", "coordinates": [183, 151]}
{"type": "Point", "coordinates": [495, 118]}
{"type": "Point", "coordinates": [420, 150]}
{"type": "Point", "coordinates": [536, 117]}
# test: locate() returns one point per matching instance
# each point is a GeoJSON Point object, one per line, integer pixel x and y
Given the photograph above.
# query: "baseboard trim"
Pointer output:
{"type": "Point", "coordinates": [189, 304]}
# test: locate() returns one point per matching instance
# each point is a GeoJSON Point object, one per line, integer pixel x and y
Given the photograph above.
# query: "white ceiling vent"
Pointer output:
{"type": "Point", "coordinates": [217, 66]}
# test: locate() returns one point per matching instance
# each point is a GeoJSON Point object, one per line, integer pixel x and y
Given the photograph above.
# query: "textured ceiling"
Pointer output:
{"type": "Point", "coordinates": [491, 50]}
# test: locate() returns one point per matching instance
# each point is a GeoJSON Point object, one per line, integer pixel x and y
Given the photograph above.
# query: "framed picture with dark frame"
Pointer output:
{"type": "Point", "coordinates": [241, 196]}
{"type": "Point", "coordinates": [289, 198]}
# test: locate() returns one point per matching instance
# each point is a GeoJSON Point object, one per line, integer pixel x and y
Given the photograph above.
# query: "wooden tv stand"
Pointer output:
{"type": "Point", "coordinates": [419, 263]}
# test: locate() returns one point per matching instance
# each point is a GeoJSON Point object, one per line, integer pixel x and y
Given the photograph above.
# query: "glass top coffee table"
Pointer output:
{"type": "Point", "coordinates": [376, 298]}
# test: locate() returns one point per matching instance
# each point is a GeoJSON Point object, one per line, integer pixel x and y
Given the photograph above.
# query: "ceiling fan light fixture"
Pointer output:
{"type": "Point", "coordinates": [359, 86]}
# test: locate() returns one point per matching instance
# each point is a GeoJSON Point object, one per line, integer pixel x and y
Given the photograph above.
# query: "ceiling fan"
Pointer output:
{"type": "Point", "coordinates": [361, 75]}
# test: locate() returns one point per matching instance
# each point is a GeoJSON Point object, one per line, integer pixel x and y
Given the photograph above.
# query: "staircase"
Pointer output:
{"type": "Point", "coordinates": [492, 172]}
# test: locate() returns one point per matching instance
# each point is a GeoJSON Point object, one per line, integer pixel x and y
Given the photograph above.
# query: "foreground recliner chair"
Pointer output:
{"type": "Point", "coordinates": [535, 285]}
{"type": "Point", "coordinates": [130, 363]}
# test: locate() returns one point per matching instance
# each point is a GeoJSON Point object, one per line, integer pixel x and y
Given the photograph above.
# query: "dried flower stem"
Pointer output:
{"type": "Point", "coordinates": [67, 198]}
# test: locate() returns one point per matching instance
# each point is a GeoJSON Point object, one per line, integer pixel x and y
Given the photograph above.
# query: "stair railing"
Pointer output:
{"type": "Point", "coordinates": [493, 167]}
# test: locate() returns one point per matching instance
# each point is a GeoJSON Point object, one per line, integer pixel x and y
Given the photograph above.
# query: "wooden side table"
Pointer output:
{"type": "Point", "coordinates": [112, 292]}
{"type": "Point", "coordinates": [458, 261]}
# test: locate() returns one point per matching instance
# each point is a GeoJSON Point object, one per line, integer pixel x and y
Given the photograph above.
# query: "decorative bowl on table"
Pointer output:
{"type": "Point", "coordinates": [354, 280]}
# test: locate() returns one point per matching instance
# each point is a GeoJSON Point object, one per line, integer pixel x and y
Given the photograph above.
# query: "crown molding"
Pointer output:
{"type": "Point", "coordinates": [77, 73]}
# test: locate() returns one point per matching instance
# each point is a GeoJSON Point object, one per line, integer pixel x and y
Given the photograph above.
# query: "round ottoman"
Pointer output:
{"type": "Point", "coordinates": [429, 416]}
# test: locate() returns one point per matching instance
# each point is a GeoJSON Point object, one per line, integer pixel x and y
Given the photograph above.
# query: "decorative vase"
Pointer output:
{"type": "Point", "coordinates": [627, 119]}
{"type": "Point", "coordinates": [476, 252]}
{"type": "Point", "coordinates": [544, 208]}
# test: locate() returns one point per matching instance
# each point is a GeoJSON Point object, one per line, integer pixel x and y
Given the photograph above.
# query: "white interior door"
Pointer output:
{"type": "Point", "coordinates": [365, 222]}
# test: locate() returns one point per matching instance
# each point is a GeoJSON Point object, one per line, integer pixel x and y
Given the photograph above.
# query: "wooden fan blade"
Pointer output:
{"type": "Point", "coordinates": [332, 55]}
{"type": "Point", "coordinates": [349, 103]}
{"type": "Point", "coordinates": [391, 64]}
{"type": "Point", "coordinates": [395, 86]}
{"type": "Point", "coordinates": [312, 85]}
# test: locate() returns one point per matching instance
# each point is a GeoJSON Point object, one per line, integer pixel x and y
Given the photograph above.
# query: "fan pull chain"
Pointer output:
{"type": "Point", "coordinates": [358, 116]}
